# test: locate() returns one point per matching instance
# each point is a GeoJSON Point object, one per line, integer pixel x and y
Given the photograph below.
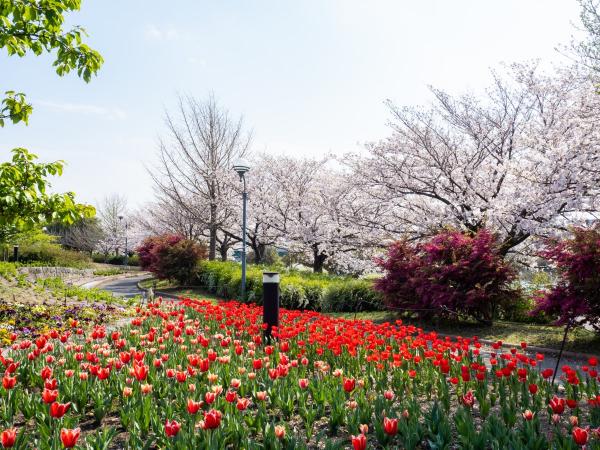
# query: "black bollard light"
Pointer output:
{"type": "Point", "coordinates": [270, 302]}
{"type": "Point", "coordinates": [16, 253]}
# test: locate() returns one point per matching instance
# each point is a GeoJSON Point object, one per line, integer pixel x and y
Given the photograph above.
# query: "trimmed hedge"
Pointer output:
{"type": "Point", "coordinates": [298, 290]}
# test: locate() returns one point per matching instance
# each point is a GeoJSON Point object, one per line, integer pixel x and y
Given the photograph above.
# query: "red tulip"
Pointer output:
{"type": "Point", "coordinates": [528, 415]}
{"type": "Point", "coordinates": [192, 406]}
{"type": "Point", "coordinates": [242, 404]}
{"type": "Point", "coordinates": [468, 399]}
{"type": "Point", "coordinates": [390, 426]}
{"type": "Point", "coordinates": [8, 382]}
{"type": "Point", "coordinates": [533, 388]}
{"type": "Point", "coordinates": [580, 436]}
{"type": "Point", "coordinates": [349, 384]}
{"type": "Point", "coordinates": [204, 365]}
{"type": "Point", "coordinates": [303, 383]}
{"type": "Point", "coordinates": [103, 373]}
{"type": "Point", "coordinates": [359, 442]}
{"type": "Point", "coordinates": [279, 431]}
{"type": "Point", "coordinates": [210, 397]}
{"type": "Point", "coordinates": [547, 373]}
{"type": "Point", "coordinates": [49, 396]}
{"type": "Point", "coordinates": [172, 427]}
{"type": "Point", "coordinates": [231, 396]}
{"type": "Point", "coordinates": [140, 371]}
{"type": "Point", "coordinates": [557, 405]}
{"type": "Point", "coordinates": [8, 437]}
{"type": "Point", "coordinates": [57, 410]}
{"type": "Point", "coordinates": [69, 437]}
{"type": "Point", "coordinates": [212, 419]}
{"type": "Point", "coordinates": [51, 383]}
{"type": "Point", "coordinates": [46, 373]}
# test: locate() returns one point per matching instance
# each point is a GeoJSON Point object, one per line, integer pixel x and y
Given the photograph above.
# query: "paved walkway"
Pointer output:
{"type": "Point", "coordinates": [124, 287]}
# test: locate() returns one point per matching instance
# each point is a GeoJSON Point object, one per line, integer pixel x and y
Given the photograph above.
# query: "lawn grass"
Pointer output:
{"type": "Point", "coordinates": [191, 293]}
{"type": "Point", "coordinates": [578, 340]}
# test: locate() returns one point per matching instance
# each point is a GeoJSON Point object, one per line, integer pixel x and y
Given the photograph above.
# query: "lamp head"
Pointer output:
{"type": "Point", "coordinates": [241, 166]}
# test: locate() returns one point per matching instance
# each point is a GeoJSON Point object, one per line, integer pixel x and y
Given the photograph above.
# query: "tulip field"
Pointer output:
{"type": "Point", "coordinates": [198, 375]}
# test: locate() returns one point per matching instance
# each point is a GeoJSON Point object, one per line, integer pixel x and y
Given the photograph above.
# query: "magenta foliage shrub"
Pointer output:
{"type": "Point", "coordinates": [576, 296]}
{"type": "Point", "coordinates": [171, 256]}
{"type": "Point", "coordinates": [451, 273]}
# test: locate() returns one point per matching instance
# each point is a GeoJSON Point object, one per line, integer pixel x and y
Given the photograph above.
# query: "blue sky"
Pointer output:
{"type": "Point", "coordinates": [310, 77]}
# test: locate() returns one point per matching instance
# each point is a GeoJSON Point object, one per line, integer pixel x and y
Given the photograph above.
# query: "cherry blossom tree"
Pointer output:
{"type": "Point", "coordinates": [307, 207]}
{"type": "Point", "coordinates": [195, 159]}
{"type": "Point", "coordinates": [261, 231]}
{"type": "Point", "coordinates": [521, 161]}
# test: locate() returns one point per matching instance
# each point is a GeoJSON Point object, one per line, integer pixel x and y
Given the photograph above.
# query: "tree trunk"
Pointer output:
{"type": "Point", "coordinates": [258, 250]}
{"type": "Point", "coordinates": [318, 260]}
{"type": "Point", "coordinates": [212, 249]}
{"type": "Point", "coordinates": [223, 249]}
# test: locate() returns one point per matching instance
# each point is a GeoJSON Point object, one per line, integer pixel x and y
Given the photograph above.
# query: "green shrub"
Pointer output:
{"type": "Point", "coordinates": [38, 248]}
{"type": "Point", "coordinates": [119, 260]}
{"type": "Point", "coordinates": [108, 272]}
{"type": "Point", "coordinates": [298, 290]}
{"type": "Point", "coordinates": [352, 295]}
{"type": "Point", "coordinates": [8, 270]}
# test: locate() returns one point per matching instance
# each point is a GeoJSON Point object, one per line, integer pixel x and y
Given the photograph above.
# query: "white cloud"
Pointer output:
{"type": "Point", "coordinates": [167, 33]}
{"type": "Point", "coordinates": [115, 113]}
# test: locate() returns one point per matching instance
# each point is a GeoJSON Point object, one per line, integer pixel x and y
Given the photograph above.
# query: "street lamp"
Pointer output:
{"type": "Point", "coordinates": [241, 166]}
{"type": "Point", "coordinates": [126, 254]}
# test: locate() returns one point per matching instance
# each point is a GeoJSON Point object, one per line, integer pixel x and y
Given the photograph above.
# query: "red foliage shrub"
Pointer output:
{"type": "Point", "coordinates": [170, 256]}
{"type": "Point", "coordinates": [576, 297]}
{"type": "Point", "coordinates": [451, 273]}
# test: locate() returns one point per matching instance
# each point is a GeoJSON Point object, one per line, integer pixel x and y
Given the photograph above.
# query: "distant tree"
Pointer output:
{"type": "Point", "coordinates": [195, 161]}
{"type": "Point", "coordinates": [589, 48]}
{"type": "Point", "coordinates": [575, 299]}
{"type": "Point", "coordinates": [164, 216]}
{"type": "Point", "coordinates": [110, 209]}
{"type": "Point", "coordinates": [170, 256]}
{"type": "Point", "coordinates": [33, 26]}
{"type": "Point", "coordinates": [84, 235]}
{"type": "Point", "coordinates": [25, 202]}
{"type": "Point", "coordinates": [306, 210]}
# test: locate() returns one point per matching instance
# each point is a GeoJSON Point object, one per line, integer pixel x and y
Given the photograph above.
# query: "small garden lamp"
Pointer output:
{"type": "Point", "coordinates": [241, 166]}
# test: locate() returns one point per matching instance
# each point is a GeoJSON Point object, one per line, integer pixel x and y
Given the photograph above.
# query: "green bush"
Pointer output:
{"type": "Point", "coordinates": [38, 248]}
{"type": "Point", "coordinates": [133, 260]}
{"type": "Point", "coordinates": [353, 295]}
{"type": "Point", "coordinates": [108, 272]}
{"type": "Point", "coordinates": [298, 290]}
{"type": "Point", "coordinates": [8, 270]}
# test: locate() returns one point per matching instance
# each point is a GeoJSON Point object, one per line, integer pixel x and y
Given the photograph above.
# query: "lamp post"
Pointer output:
{"type": "Point", "coordinates": [241, 166]}
{"type": "Point", "coordinates": [126, 254]}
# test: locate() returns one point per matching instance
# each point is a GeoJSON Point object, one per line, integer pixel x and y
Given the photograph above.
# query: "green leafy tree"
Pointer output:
{"type": "Point", "coordinates": [36, 26]}
{"type": "Point", "coordinates": [25, 202]}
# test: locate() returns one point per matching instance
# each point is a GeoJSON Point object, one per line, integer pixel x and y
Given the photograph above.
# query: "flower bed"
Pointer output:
{"type": "Point", "coordinates": [33, 320]}
{"type": "Point", "coordinates": [199, 375]}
